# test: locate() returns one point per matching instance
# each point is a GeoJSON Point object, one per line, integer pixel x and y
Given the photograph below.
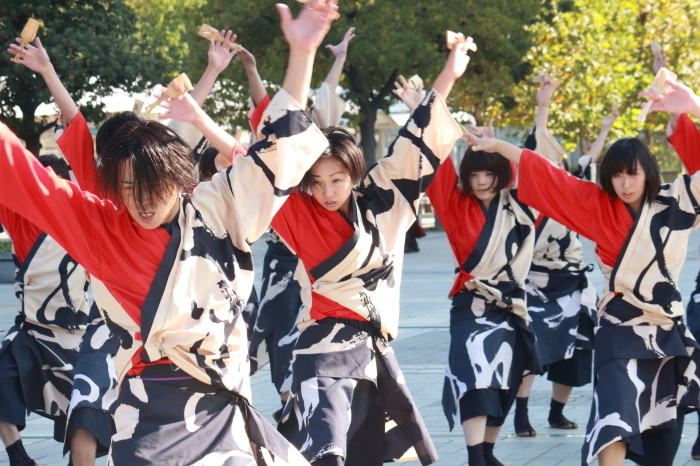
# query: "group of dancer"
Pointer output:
{"type": "Point", "coordinates": [159, 222]}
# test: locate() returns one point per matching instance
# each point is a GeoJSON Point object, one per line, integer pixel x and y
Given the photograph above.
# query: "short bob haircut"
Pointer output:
{"type": "Point", "coordinates": [110, 127]}
{"type": "Point", "coordinates": [59, 166]}
{"type": "Point", "coordinates": [476, 161]}
{"type": "Point", "coordinates": [623, 157]}
{"type": "Point", "coordinates": [160, 160]}
{"type": "Point", "coordinates": [342, 148]}
{"type": "Point", "coordinates": [206, 163]}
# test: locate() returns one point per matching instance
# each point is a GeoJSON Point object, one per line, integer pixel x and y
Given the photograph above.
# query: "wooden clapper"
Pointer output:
{"type": "Point", "coordinates": [172, 91]}
{"type": "Point", "coordinates": [28, 34]}
{"type": "Point", "coordinates": [458, 37]}
{"type": "Point", "coordinates": [211, 33]}
{"type": "Point", "coordinates": [659, 85]}
{"type": "Point", "coordinates": [414, 83]}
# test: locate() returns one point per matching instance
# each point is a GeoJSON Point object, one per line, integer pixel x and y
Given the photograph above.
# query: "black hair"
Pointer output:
{"type": "Point", "coordinates": [160, 161]}
{"type": "Point", "coordinates": [110, 126]}
{"type": "Point", "coordinates": [476, 161]}
{"type": "Point", "coordinates": [342, 148]}
{"type": "Point", "coordinates": [623, 157]}
{"type": "Point", "coordinates": [206, 163]}
{"type": "Point", "coordinates": [60, 166]}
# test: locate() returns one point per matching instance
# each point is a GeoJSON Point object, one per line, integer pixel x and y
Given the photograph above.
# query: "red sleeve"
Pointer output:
{"type": "Point", "coordinates": [579, 205]}
{"type": "Point", "coordinates": [258, 113]}
{"type": "Point", "coordinates": [686, 141]}
{"type": "Point", "coordinates": [443, 192]}
{"type": "Point", "coordinates": [76, 145]}
{"type": "Point", "coordinates": [22, 232]}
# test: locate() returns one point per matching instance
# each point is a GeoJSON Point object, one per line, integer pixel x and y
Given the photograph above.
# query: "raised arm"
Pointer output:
{"type": "Point", "coordinates": [37, 60]}
{"type": "Point", "coordinates": [249, 194]}
{"type": "Point", "coordinates": [544, 98]}
{"type": "Point", "coordinates": [577, 204]}
{"type": "Point", "coordinates": [219, 56]}
{"type": "Point", "coordinates": [421, 145]}
{"type": "Point", "coordinates": [341, 53]}
{"type": "Point", "coordinates": [255, 83]}
{"type": "Point", "coordinates": [605, 125]}
{"type": "Point", "coordinates": [54, 205]}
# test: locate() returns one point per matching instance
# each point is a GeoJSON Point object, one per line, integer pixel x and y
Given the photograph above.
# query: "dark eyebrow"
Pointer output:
{"type": "Point", "coordinates": [332, 174]}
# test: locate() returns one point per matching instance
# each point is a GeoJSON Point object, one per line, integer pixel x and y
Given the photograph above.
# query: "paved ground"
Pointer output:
{"type": "Point", "coordinates": [422, 351]}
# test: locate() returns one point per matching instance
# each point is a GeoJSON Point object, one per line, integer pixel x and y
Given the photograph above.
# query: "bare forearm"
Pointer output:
{"type": "Point", "coordinates": [509, 151]}
{"type": "Point", "coordinates": [542, 116]}
{"type": "Point", "coordinates": [68, 108]}
{"type": "Point", "coordinates": [333, 78]}
{"type": "Point", "coordinates": [204, 86]}
{"type": "Point", "coordinates": [220, 139]}
{"type": "Point", "coordinates": [255, 84]}
{"type": "Point", "coordinates": [598, 145]}
{"type": "Point", "coordinates": [443, 84]}
{"type": "Point", "coordinates": [298, 78]}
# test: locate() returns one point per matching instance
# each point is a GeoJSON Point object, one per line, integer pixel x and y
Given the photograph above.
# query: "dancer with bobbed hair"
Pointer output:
{"type": "Point", "coordinates": [646, 363]}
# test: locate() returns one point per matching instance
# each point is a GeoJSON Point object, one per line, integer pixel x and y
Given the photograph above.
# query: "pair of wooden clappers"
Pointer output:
{"type": "Point", "coordinates": [28, 34]}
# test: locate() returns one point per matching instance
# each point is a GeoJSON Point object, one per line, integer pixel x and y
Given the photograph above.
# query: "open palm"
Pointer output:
{"type": "Point", "coordinates": [311, 25]}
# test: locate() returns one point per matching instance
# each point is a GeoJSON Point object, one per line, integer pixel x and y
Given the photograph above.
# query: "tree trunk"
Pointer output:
{"type": "Point", "coordinates": [367, 139]}
{"type": "Point", "coordinates": [33, 142]}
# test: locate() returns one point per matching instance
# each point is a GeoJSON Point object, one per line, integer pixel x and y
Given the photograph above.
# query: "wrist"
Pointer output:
{"type": "Point", "coordinates": [212, 70]}
{"type": "Point", "coordinates": [47, 71]}
{"type": "Point", "coordinates": [344, 54]}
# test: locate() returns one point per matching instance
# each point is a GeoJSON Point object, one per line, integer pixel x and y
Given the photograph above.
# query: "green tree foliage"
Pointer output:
{"type": "Point", "coordinates": [95, 48]}
{"type": "Point", "coordinates": [602, 52]}
{"type": "Point", "coordinates": [393, 37]}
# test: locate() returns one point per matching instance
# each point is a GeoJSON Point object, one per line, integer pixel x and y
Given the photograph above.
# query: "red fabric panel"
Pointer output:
{"type": "Point", "coordinates": [686, 140]}
{"type": "Point", "coordinates": [579, 205]}
{"type": "Point", "coordinates": [315, 234]}
{"type": "Point", "coordinates": [460, 215]}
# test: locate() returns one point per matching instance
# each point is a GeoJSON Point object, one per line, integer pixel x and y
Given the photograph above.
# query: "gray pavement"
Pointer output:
{"type": "Point", "coordinates": [421, 349]}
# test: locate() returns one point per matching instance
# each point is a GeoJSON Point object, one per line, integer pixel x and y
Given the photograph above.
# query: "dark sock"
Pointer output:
{"type": "Point", "coordinates": [556, 414]}
{"type": "Point", "coordinates": [18, 456]}
{"type": "Point", "coordinates": [488, 455]}
{"type": "Point", "coordinates": [521, 419]}
{"type": "Point", "coordinates": [476, 455]}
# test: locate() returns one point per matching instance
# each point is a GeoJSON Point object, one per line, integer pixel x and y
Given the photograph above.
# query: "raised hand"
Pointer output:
{"type": "Point", "coordinates": [546, 90]}
{"type": "Point", "coordinates": [219, 54]}
{"type": "Point", "coordinates": [678, 99]}
{"type": "Point", "coordinates": [457, 61]}
{"type": "Point", "coordinates": [411, 97]}
{"type": "Point", "coordinates": [483, 131]}
{"type": "Point", "coordinates": [609, 120]}
{"type": "Point", "coordinates": [247, 58]}
{"type": "Point", "coordinates": [307, 31]}
{"type": "Point", "coordinates": [183, 108]}
{"type": "Point", "coordinates": [34, 58]}
{"type": "Point", "coordinates": [483, 143]}
{"type": "Point", "coordinates": [343, 46]}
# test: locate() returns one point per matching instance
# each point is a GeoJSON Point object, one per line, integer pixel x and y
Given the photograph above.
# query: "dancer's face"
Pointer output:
{"type": "Point", "coordinates": [153, 214]}
{"type": "Point", "coordinates": [629, 187]}
{"type": "Point", "coordinates": [482, 183]}
{"type": "Point", "coordinates": [331, 185]}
